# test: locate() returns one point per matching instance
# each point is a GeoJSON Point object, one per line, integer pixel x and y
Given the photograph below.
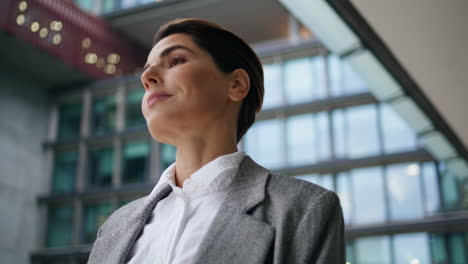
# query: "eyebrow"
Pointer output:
{"type": "Point", "coordinates": [167, 51]}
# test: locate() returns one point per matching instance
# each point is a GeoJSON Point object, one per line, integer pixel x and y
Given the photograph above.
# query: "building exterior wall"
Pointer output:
{"type": "Point", "coordinates": [23, 127]}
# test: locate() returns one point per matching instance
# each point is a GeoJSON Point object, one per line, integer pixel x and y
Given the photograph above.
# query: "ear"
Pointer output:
{"type": "Point", "coordinates": [240, 85]}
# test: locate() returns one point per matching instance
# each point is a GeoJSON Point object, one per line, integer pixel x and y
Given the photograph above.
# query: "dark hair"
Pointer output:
{"type": "Point", "coordinates": [229, 53]}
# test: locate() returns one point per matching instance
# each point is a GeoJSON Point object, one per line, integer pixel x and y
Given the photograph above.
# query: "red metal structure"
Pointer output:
{"type": "Point", "coordinates": [82, 40]}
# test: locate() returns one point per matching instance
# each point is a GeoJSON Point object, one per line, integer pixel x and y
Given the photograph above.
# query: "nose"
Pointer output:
{"type": "Point", "coordinates": [149, 78]}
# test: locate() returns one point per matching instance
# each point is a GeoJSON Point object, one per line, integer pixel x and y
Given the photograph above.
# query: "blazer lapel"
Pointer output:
{"type": "Point", "coordinates": [235, 236]}
{"type": "Point", "coordinates": [114, 246]}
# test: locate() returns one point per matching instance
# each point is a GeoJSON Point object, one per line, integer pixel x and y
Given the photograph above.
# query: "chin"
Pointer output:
{"type": "Point", "coordinates": [158, 130]}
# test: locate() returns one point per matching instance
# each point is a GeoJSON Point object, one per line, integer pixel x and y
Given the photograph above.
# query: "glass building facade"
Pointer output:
{"type": "Point", "coordinates": [319, 123]}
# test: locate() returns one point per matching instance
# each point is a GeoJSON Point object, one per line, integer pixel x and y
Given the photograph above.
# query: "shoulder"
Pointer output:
{"type": "Point", "coordinates": [299, 195]}
{"type": "Point", "coordinates": [120, 215]}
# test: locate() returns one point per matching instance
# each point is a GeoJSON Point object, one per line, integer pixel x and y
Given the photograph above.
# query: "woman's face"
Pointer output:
{"type": "Point", "coordinates": [193, 91]}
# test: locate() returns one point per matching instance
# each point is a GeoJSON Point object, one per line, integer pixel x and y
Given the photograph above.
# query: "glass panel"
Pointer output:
{"type": "Point", "coordinates": [308, 138]}
{"type": "Point", "coordinates": [87, 5]}
{"type": "Point", "coordinates": [368, 183]}
{"type": "Point", "coordinates": [397, 135]}
{"type": "Point", "coordinates": [457, 248]}
{"type": "Point", "coordinates": [69, 121]}
{"type": "Point", "coordinates": [135, 161]}
{"type": "Point", "coordinates": [168, 155]}
{"type": "Point", "coordinates": [431, 187]}
{"type": "Point", "coordinates": [263, 143]}
{"type": "Point", "coordinates": [134, 117]}
{"type": "Point", "coordinates": [59, 226]}
{"type": "Point", "coordinates": [101, 166]}
{"type": "Point", "coordinates": [104, 110]}
{"type": "Point", "coordinates": [404, 191]}
{"type": "Point", "coordinates": [65, 169]}
{"type": "Point", "coordinates": [305, 79]}
{"type": "Point", "coordinates": [438, 250]}
{"type": "Point", "coordinates": [350, 252]}
{"type": "Point", "coordinates": [450, 191]}
{"type": "Point", "coordinates": [343, 79]}
{"type": "Point", "coordinates": [340, 133]}
{"type": "Point", "coordinates": [362, 128]}
{"type": "Point", "coordinates": [373, 250]}
{"type": "Point", "coordinates": [411, 248]}
{"type": "Point", "coordinates": [343, 187]}
{"type": "Point", "coordinates": [94, 216]}
{"type": "Point", "coordinates": [272, 74]}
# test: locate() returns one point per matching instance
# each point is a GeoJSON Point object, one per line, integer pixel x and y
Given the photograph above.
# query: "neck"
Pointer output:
{"type": "Point", "coordinates": [194, 153]}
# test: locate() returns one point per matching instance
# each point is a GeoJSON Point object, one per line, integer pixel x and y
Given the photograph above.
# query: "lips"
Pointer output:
{"type": "Point", "coordinates": [156, 97]}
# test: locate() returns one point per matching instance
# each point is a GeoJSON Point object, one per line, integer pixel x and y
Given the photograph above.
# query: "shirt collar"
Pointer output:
{"type": "Point", "coordinates": [216, 175]}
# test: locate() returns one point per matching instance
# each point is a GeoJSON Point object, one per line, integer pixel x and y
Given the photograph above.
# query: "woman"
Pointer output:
{"type": "Point", "coordinates": [204, 86]}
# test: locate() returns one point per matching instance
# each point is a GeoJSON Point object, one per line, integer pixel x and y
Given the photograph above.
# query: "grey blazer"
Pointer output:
{"type": "Point", "coordinates": [266, 218]}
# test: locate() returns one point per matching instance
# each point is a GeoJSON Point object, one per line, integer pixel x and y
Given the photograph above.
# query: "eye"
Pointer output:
{"type": "Point", "coordinates": [175, 61]}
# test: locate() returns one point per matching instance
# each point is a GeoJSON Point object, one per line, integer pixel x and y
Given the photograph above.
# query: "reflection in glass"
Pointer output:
{"type": "Point", "coordinates": [101, 166]}
{"type": "Point", "coordinates": [69, 121]}
{"type": "Point", "coordinates": [263, 143]}
{"type": "Point", "coordinates": [397, 135]}
{"type": "Point", "coordinates": [305, 79]}
{"type": "Point", "coordinates": [431, 190]}
{"type": "Point", "coordinates": [373, 250]}
{"type": "Point", "coordinates": [65, 168]}
{"type": "Point", "coordinates": [168, 155]}
{"type": "Point", "coordinates": [367, 183]}
{"type": "Point", "coordinates": [134, 117]}
{"type": "Point", "coordinates": [103, 114]}
{"type": "Point", "coordinates": [94, 216]}
{"type": "Point", "coordinates": [135, 163]}
{"type": "Point", "coordinates": [59, 226]}
{"type": "Point", "coordinates": [343, 79]}
{"type": "Point", "coordinates": [308, 138]}
{"type": "Point", "coordinates": [411, 248]}
{"type": "Point", "coordinates": [272, 75]}
{"type": "Point", "coordinates": [404, 191]}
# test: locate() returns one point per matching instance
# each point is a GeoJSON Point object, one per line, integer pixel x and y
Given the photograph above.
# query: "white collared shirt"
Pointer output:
{"type": "Point", "coordinates": [180, 221]}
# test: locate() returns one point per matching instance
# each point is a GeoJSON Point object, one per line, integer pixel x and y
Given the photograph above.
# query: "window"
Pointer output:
{"type": "Point", "coordinates": [362, 128]}
{"type": "Point", "coordinates": [343, 80]}
{"type": "Point", "coordinates": [94, 216]}
{"type": "Point", "coordinates": [458, 248]}
{"type": "Point", "coordinates": [104, 110]}
{"type": "Point", "coordinates": [134, 117]}
{"type": "Point", "coordinates": [101, 167]}
{"type": "Point", "coordinates": [305, 79]}
{"type": "Point", "coordinates": [272, 76]}
{"type": "Point", "coordinates": [308, 138]}
{"type": "Point", "coordinates": [397, 135]}
{"type": "Point", "coordinates": [263, 143]}
{"type": "Point", "coordinates": [368, 183]}
{"type": "Point", "coordinates": [65, 168]}
{"type": "Point", "coordinates": [431, 191]}
{"type": "Point", "coordinates": [69, 121]}
{"type": "Point", "coordinates": [373, 250]}
{"type": "Point", "coordinates": [355, 132]}
{"type": "Point", "coordinates": [451, 195]}
{"type": "Point", "coordinates": [438, 250]}
{"type": "Point", "coordinates": [59, 226]}
{"type": "Point", "coordinates": [168, 155]}
{"type": "Point", "coordinates": [411, 248]}
{"type": "Point", "coordinates": [404, 189]}
{"type": "Point", "coordinates": [135, 161]}
{"type": "Point", "coordinates": [343, 189]}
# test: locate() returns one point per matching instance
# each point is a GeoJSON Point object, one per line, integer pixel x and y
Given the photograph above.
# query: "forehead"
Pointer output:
{"type": "Point", "coordinates": [174, 39]}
